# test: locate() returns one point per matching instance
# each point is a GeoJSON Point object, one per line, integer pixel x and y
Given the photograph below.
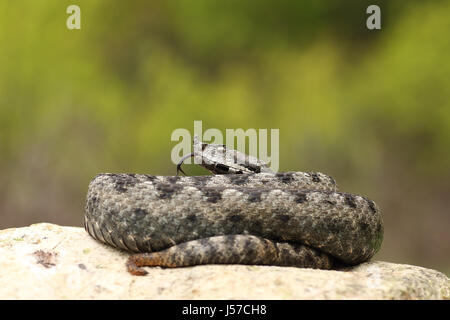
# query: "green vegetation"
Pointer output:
{"type": "Point", "coordinates": [371, 108]}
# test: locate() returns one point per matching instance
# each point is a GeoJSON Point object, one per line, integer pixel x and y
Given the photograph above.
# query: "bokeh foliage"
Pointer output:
{"type": "Point", "coordinates": [371, 108]}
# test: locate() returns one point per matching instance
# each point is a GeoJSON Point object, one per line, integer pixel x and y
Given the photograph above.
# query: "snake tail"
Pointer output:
{"type": "Point", "coordinates": [232, 249]}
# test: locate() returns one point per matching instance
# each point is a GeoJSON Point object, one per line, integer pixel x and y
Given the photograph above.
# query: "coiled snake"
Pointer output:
{"type": "Point", "coordinates": [249, 216]}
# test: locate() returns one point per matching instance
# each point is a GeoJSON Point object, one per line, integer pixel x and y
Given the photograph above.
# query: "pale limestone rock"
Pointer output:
{"type": "Point", "coordinates": [46, 261]}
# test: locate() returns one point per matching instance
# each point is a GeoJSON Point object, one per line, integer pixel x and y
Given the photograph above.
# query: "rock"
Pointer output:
{"type": "Point", "coordinates": [47, 261]}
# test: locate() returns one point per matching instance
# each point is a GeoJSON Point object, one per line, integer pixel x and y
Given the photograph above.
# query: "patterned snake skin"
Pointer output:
{"type": "Point", "coordinates": [285, 219]}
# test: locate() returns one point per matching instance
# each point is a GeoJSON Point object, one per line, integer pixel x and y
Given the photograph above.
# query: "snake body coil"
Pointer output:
{"type": "Point", "coordinates": [286, 219]}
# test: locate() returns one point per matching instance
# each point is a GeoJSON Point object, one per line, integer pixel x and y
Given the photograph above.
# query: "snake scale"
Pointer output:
{"type": "Point", "coordinates": [285, 219]}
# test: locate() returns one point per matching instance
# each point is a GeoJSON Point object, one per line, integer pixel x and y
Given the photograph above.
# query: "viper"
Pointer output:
{"type": "Point", "coordinates": [243, 214]}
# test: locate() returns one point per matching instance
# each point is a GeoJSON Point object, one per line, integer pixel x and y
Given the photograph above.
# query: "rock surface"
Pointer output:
{"type": "Point", "coordinates": [46, 261]}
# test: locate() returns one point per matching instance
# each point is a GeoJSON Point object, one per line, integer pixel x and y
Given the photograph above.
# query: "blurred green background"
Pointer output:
{"type": "Point", "coordinates": [370, 108]}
